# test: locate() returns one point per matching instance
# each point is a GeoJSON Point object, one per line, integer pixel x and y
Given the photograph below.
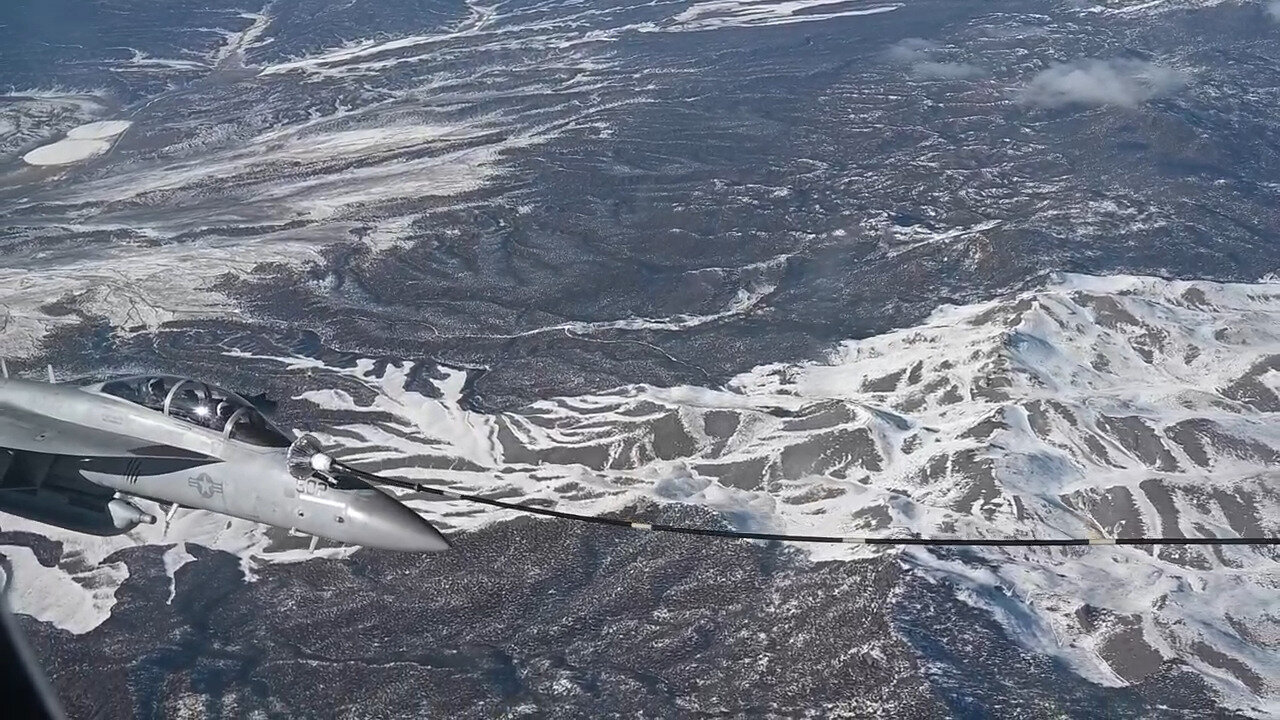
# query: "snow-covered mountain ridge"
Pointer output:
{"type": "Point", "coordinates": [1090, 406]}
{"type": "Point", "coordinates": [1116, 406]}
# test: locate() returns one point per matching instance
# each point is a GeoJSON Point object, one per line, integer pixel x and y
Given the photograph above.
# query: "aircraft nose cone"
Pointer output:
{"type": "Point", "coordinates": [386, 523]}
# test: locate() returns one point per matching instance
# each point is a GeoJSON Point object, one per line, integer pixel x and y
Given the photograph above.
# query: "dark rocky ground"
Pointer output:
{"type": "Point", "coordinates": [525, 619]}
{"type": "Point", "coordinates": [544, 619]}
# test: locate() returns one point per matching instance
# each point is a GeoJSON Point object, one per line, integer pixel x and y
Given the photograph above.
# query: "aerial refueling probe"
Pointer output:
{"type": "Point", "coordinates": [307, 457]}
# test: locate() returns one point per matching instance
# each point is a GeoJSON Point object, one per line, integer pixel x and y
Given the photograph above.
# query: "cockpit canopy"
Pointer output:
{"type": "Point", "coordinates": [200, 404]}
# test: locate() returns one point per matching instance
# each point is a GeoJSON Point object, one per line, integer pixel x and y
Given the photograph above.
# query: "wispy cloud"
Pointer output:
{"type": "Point", "coordinates": [1122, 82]}
{"type": "Point", "coordinates": [921, 56]}
{"type": "Point", "coordinates": [911, 50]}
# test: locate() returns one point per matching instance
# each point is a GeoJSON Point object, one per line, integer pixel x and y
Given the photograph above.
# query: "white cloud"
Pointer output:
{"type": "Point", "coordinates": [911, 50]}
{"type": "Point", "coordinates": [1273, 10]}
{"type": "Point", "coordinates": [919, 54]}
{"type": "Point", "coordinates": [1122, 82]}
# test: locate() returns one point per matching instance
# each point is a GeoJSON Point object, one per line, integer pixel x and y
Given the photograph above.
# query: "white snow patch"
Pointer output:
{"type": "Point", "coordinates": [65, 152]}
{"type": "Point", "coordinates": [759, 13]}
{"type": "Point", "coordinates": [101, 130]}
{"type": "Point", "coordinates": [232, 52]}
{"type": "Point", "coordinates": [134, 286]}
{"type": "Point", "coordinates": [81, 143]}
{"type": "Point", "coordinates": [78, 593]}
{"type": "Point", "coordinates": [174, 558]}
{"type": "Point", "coordinates": [76, 600]}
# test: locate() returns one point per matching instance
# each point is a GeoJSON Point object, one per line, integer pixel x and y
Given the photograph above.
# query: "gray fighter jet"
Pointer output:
{"type": "Point", "coordinates": [77, 456]}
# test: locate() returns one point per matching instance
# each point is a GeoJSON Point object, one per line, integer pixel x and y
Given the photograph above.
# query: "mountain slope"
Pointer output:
{"type": "Point", "coordinates": [1090, 407]}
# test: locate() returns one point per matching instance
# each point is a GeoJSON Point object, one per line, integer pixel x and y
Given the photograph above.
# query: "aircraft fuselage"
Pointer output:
{"type": "Point", "coordinates": [59, 435]}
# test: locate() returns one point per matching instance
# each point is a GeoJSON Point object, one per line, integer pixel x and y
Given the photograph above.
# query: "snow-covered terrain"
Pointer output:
{"type": "Point", "coordinates": [1115, 407]}
{"type": "Point", "coordinates": [77, 593]}
{"type": "Point", "coordinates": [28, 117]}
{"type": "Point", "coordinates": [1121, 406]}
{"type": "Point", "coordinates": [757, 13]}
{"type": "Point", "coordinates": [637, 225]}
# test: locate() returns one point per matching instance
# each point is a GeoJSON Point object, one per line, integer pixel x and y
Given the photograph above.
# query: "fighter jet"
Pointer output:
{"type": "Point", "coordinates": [78, 457]}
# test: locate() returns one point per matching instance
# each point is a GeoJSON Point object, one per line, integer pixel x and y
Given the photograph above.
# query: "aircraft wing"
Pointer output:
{"type": "Point", "coordinates": [24, 430]}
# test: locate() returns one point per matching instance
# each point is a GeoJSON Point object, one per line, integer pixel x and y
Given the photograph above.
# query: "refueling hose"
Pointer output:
{"type": "Point", "coordinates": [783, 537]}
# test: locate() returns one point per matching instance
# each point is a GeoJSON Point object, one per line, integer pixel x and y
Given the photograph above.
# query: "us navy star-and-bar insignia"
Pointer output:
{"type": "Point", "coordinates": [205, 485]}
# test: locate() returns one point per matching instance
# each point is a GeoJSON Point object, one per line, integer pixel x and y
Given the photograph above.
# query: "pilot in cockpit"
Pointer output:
{"type": "Point", "coordinates": [153, 393]}
{"type": "Point", "coordinates": [222, 413]}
